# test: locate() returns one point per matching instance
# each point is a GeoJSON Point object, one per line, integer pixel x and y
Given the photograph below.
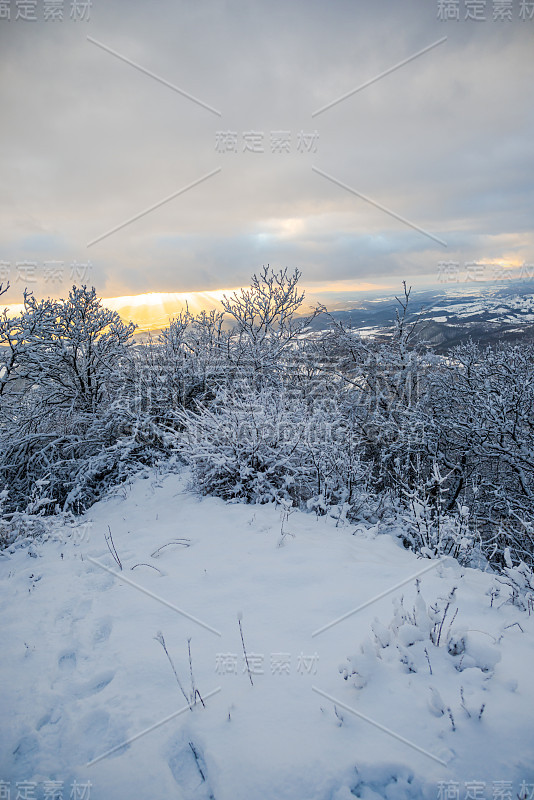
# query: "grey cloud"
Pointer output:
{"type": "Point", "coordinates": [89, 141]}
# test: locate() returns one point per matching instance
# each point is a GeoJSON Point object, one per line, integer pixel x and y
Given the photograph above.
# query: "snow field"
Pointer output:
{"type": "Point", "coordinates": [82, 671]}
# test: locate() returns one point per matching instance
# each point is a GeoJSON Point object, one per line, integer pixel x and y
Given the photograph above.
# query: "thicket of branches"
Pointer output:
{"type": "Point", "coordinates": [440, 448]}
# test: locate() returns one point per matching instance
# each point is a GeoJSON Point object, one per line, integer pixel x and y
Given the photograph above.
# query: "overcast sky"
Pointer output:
{"type": "Point", "coordinates": [89, 141]}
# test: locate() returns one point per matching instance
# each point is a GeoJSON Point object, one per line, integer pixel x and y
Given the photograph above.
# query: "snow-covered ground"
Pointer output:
{"type": "Point", "coordinates": [516, 309]}
{"type": "Point", "coordinates": [370, 706]}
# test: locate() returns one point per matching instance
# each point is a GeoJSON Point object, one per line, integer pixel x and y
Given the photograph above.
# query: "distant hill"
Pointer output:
{"type": "Point", "coordinates": [487, 313]}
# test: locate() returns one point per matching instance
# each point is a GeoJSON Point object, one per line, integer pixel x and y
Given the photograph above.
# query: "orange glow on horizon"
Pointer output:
{"type": "Point", "coordinates": [154, 310]}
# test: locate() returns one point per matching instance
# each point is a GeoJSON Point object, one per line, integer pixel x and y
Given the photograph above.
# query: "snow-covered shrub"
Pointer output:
{"type": "Point", "coordinates": [519, 580]}
{"type": "Point", "coordinates": [62, 360]}
{"type": "Point", "coordinates": [100, 469]}
{"type": "Point", "coordinates": [470, 414]}
{"type": "Point", "coordinates": [188, 362]}
{"type": "Point", "coordinates": [481, 429]}
{"type": "Point", "coordinates": [383, 384]}
{"type": "Point", "coordinates": [22, 528]}
{"type": "Point", "coordinates": [428, 529]}
{"type": "Point", "coordinates": [233, 446]}
{"type": "Point", "coordinates": [445, 667]}
{"type": "Point", "coordinates": [65, 435]}
{"type": "Point", "coordinates": [267, 325]}
{"type": "Point", "coordinates": [247, 446]}
{"type": "Point", "coordinates": [74, 353]}
{"type": "Point", "coordinates": [69, 471]}
{"type": "Point", "coordinates": [265, 408]}
{"type": "Point", "coordinates": [267, 445]}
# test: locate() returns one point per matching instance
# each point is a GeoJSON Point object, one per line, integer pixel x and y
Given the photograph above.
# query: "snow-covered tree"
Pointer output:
{"type": "Point", "coordinates": [482, 407]}
{"type": "Point", "coordinates": [76, 353]}
{"type": "Point", "coordinates": [266, 321]}
{"type": "Point", "coordinates": [60, 427]}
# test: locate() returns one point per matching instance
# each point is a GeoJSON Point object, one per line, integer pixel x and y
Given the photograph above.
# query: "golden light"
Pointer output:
{"type": "Point", "coordinates": [152, 311]}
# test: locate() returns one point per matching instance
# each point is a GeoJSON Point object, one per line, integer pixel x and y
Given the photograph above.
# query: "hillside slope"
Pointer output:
{"type": "Point", "coordinates": [84, 670]}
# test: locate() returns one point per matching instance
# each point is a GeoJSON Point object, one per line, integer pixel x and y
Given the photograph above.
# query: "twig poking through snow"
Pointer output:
{"type": "Point", "coordinates": [450, 625]}
{"type": "Point", "coordinates": [463, 702]}
{"type": "Point", "coordinates": [191, 668]}
{"type": "Point", "coordinates": [451, 719]}
{"type": "Point", "coordinates": [159, 638]}
{"type": "Point", "coordinates": [198, 759]}
{"type": "Point", "coordinates": [181, 542]}
{"type": "Point", "coordinates": [194, 690]}
{"type": "Point", "coordinates": [244, 650]}
{"type": "Point", "coordinates": [112, 549]}
{"type": "Point", "coordinates": [512, 625]}
{"type": "Point", "coordinates": [428, 659]}
{"type": "Point", "coordinates": [144, 564]}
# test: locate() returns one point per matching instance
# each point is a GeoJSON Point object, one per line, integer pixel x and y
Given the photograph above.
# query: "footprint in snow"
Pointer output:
{"type": "Point", "coordinates": [95, 685]}
{"type": "Point", "coordinates": [97, 733]}
{"type": "Point", "coordinates": [26, 748]}
{"type": "Point", "coordinates": [51, 717]}
{"type": "Point", "coordinates": [67, 661]}
{"type": "Point", "coordinates": [102, 630]}
{"type": "Point", "coordinates": [189, 770]}
{"type": "Point", "coordinates": [69, 614]}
